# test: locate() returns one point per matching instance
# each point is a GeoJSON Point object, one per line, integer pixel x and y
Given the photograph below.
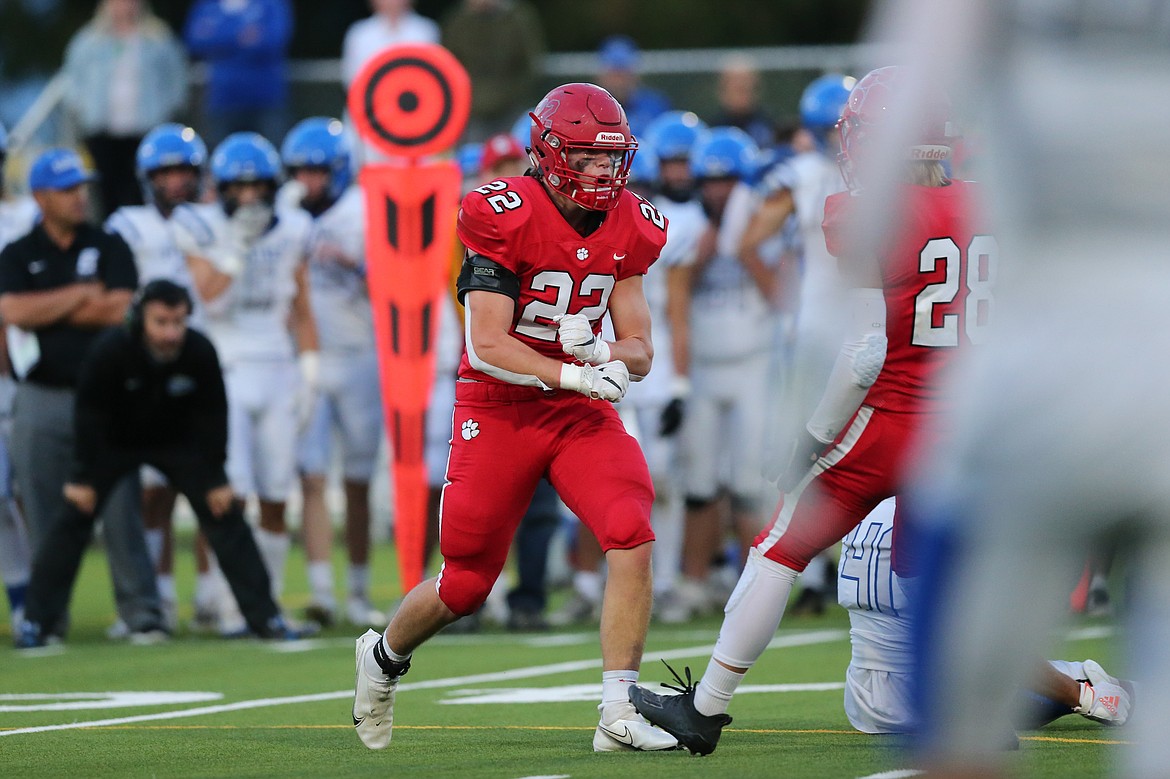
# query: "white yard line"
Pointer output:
{"type": "Point", "coordinates": [900, 774]}
{"type": "Point", "coordinates": [794, 639]}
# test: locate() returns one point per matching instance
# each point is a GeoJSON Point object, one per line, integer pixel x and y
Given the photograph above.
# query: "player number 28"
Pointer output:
{"type": "Point", "coordinates": [980, 260]}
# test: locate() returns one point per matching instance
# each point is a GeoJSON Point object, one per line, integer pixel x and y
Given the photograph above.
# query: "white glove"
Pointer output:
{"type": "Point", "coordinates": [291, 195]}
{"type": "Point", "coordinates": [310, 366]}
{"type": "Point", "coordinates": [608, 381]}
{"type": "Point", "coordinates": [578, 339]}
{"type": "Point", "coordinates": [1104, 698]}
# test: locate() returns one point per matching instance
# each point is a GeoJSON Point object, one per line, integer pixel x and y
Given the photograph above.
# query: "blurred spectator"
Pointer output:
{"type": "Point", "coordinates": [739, 101]}
{"type": "Point", "coordinates": [127, 73]}
{"type": "Point", "coordinates": [60, 284]}
{"type": "Point", "coordinates": [245, 44]}
{"type": "Point", "coordinates": [619, 58]}
{"type": "Point", "coordinates": [392, 22]}
{"type": "Point", "coordinates": [501, 44]}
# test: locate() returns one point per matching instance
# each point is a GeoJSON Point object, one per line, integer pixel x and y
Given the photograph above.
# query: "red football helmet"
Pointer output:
{"type": "Point", "coordinates": [868, 107]}
{"type": "Point", "coordinates": [582, 116]}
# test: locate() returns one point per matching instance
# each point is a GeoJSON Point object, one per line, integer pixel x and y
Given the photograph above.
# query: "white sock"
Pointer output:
{"type": "Point", "coordinates": [359, 580]}
{"type": "Point", "coordinates": [274, 551]}
{"type": "Point", "coordinates": [615, 686]}
{"type": "Point", "coordinates": [15, 553]}
{"type": "Point", "coordinates": [750, 620]}
{"type": "Point", "coordinates": [320, 575]}
{"type": "Point", "coordinates": [154, 545]}
{"type": "Point", "coordinates": [230, 618]}
{"type": "Point", "coordinates": [713, 694]}
{"type": "Point", "coordinates": [589, 585]}
{"type": "Point", "coordinates": [370, 664]}
{"type": "Point", "coordinates": [205, 590]}
{"type": "Point", "coordinates": [166, 588]}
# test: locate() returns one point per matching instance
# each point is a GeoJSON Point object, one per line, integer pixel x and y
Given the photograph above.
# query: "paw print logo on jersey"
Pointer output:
{"type": "Point", "coordinates": [582, 254]}
{"type": "Point", "coordinates": [469, 430]}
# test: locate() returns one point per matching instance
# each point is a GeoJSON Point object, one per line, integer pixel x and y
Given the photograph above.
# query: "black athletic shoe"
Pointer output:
{"type": "Point", "coordinates": [677, 715]}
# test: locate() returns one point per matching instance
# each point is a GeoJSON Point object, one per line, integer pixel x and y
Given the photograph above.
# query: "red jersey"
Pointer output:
{"type": "Point", "coordinates": [936, 276]}
{"type": "Point", "coordinates": [514, 222]}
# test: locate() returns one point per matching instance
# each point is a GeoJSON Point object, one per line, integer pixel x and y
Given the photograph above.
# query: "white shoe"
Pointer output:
{"type": "Point", "coordinates": [687, 601]}
{"type": "Point", "coordinates": [359, 611]}
{"type": "Point", "coordinates": [577, 610]}
{"type": "Point", "coordinates": [623, 729]}
{"type": "Point", "coordinates": [373, 699]}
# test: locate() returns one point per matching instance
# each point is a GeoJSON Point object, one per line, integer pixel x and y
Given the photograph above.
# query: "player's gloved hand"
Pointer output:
{"type": "Point", "coordinates": [608, 381]}
{"type": "Point", "coordinates": [577, 339]}
{"type": "Point", "coordinates": [291, 194]}
{"type": "Point", "coordinates": [1104, 698]}
{"type": "Point", "coordinates": [310, 366]}
{"type": "Point", "coordinates": [245, 226]}
{"type": "Point", "coordinates": [803, 452]}
{"type": "Point", "coordinates": [672, 415]}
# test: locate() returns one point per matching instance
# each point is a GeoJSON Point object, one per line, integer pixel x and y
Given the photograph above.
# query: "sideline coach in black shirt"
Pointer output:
{"type": "Point", "coordinates": [151, 392]}
{"type": "Point", "coordinates": [61, 285]}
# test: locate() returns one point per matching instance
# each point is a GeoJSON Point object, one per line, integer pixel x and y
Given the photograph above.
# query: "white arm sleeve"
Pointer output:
{"type": "Point", "coordinates": [857, 367]}
{"type": "Point", "coordinates": [525, 379]}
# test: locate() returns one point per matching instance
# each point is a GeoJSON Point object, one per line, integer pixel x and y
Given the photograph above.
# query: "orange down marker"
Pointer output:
{"type": "Point", "coordinates": [410, 102]}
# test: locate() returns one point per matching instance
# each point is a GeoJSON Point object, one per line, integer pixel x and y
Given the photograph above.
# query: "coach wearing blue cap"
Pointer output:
{"type": "Point", "coordinates": [60, 285]}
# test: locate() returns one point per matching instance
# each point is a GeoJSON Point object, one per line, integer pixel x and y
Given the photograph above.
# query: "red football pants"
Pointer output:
{"type": "Point", "coordinates": [505, 438]}
{"type": "Point", "coordinates": [863, 468]}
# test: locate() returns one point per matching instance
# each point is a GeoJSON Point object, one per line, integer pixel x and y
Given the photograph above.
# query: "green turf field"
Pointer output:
{"type": "Point", "coordinates": [491, 704]}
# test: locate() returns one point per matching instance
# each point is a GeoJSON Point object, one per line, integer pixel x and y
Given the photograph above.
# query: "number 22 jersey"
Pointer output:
{"type": "Point", "coordinates": [515, 223]}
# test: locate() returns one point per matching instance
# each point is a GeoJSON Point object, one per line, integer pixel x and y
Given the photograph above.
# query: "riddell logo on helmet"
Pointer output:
{"type": "Point", "coordinates": [604, 137]}
{"type": "Point", "coordinates": [928, 153]}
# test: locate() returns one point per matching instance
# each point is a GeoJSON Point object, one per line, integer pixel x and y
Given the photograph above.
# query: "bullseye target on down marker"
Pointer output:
{"type": "Point", "coordinates": [411, 101]}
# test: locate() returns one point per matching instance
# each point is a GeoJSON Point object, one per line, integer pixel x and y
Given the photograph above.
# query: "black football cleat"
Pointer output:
{"type": "Point", "coordinates": [677, 715]}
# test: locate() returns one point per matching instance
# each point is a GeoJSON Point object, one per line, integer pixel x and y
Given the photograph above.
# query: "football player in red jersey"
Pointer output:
{"type": "Point", "coordinates": [548, 255]}
{"type": "Point", "coordinates": [914, 298]}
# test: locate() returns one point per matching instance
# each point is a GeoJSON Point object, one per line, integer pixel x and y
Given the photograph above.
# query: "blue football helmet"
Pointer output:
{"type": "Point", "coordinates": [823, 100]}
{"type": "Point", "coordinates": [469, 156]}
{"type": "Point", "coordinates": [644, 168]}
{"type": "Point", "coordinates": [170, 145]}
{"type": "Point", "coordinates": [673, 134]}
{"type": "Point", "coordinates": [724, 152]}
{"type": "Point", "coordinates": [245, 156]}
{"type": "Point", "coordinates": [319, 142]}
{"type": "Point", "coordinates": [522, 130]}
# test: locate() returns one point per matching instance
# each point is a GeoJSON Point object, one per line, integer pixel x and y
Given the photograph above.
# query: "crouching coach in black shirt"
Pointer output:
{"type": "Point", "coordinates": [151, 393]}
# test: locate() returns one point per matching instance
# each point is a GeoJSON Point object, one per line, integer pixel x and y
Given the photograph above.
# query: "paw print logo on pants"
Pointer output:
{"type": "Point", "coordinates": [470, 429]}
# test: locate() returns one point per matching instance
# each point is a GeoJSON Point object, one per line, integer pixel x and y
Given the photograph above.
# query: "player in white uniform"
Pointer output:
{"type": "Point", "coordinates": [797, 188]}
{"type": "Point", "coordinates": [169, 163]}
{"type": "Point", "coordinates": [879, 677]}
{"type": "Point", "coordinates": [249, 263]}
{"type": "Point", "coordinates": [348, 404]}
{"type": "Point", "coordinates": [17, 216]}
{"type": "Point", "coordinates": [732, 340]}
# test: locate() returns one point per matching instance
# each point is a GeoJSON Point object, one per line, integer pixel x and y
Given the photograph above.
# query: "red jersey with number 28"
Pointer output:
{"type": "Point", "coordinates": [937, 276]}
{"type": "Point", "coordinates": [514, 222]}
